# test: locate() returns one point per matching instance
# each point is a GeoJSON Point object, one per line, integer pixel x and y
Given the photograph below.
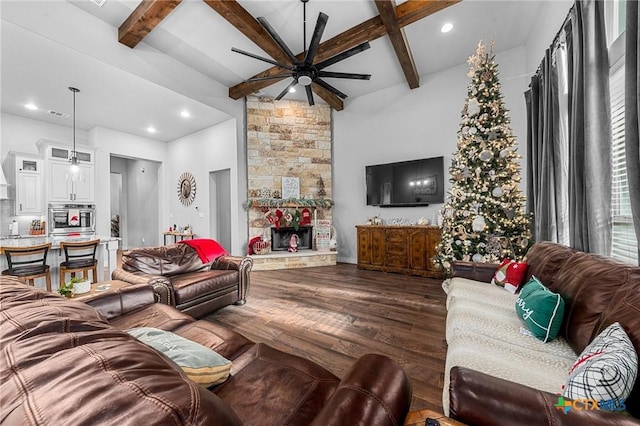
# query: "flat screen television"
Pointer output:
{"type": "Point", "coordinates": [406, 183]}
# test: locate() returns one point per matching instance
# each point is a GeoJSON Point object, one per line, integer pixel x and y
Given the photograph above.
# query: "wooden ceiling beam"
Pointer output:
{"type": "Point", "coordinates": [387, 11]}
{"type": "Point", "coordinates": [143, 19]}
{"type": "Point", "coordinates": [329, 97]}
{"type": "Point", "coordinates": [407, 13]}
{"type": "Point", "coordinates": [238, 16]}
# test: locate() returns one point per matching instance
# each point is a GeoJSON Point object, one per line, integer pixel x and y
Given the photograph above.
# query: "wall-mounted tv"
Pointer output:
{"type": "Point", "coordinates": [406, 183]}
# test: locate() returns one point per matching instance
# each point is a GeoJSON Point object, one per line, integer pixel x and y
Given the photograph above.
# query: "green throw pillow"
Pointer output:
{"type": "Point", "coordinates": [541, 309]}
{"type": "Point", "coordinates": [201, 364]}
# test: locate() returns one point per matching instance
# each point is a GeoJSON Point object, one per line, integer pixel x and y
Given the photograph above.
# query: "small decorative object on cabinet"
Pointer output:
{"type": "Point", "coordinates": [402, 249]}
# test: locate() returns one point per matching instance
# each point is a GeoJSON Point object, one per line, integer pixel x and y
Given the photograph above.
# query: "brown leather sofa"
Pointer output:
{"type": "Point", "coordinates": [65, 362]}
{"type": "Point", "coordinates": [597, 292]}
{"type": "Point", "coordinates": [179, 278]}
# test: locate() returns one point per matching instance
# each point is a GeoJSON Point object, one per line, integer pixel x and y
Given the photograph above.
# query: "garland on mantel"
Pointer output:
{"type": "Point", "coordinates": [287, 202]}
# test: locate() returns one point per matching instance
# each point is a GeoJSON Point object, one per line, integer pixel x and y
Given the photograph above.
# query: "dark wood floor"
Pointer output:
{"type": "Point", "coordinates": [335, 314]}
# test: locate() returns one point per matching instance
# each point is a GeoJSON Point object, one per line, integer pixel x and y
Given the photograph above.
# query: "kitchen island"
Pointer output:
{"type": "Point", "coordinates": [106, 253]}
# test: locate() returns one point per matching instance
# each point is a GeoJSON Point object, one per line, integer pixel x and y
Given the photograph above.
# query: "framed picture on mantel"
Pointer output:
{"type": "Point", "coordinates": [290, 187]}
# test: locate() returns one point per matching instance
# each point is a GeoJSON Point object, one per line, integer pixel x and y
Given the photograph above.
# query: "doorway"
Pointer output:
{"type": "Point", "coordinates": [137, 195]}
{"type": "Point", "coordinates": [220, 206]}
{"type": "Point", "coordinates": [116, 204]}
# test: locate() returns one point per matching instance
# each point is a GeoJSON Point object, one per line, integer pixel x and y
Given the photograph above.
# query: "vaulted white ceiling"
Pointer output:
{"type": "Point", "coordinates": [186, 62]}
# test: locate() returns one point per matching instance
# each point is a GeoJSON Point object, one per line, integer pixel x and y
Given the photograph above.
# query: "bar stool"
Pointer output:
{"type": "Point", "coordinates": [28, 263]}
{"type": "Point", "coordinates": [79, 257]}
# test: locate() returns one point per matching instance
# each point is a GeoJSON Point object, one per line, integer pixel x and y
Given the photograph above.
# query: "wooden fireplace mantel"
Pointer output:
{"type": "Point", "coordinates": [288, 202]}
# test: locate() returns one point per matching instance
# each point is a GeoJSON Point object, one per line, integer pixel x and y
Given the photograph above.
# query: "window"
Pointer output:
{"type": "Point", "coordinates": [624, 245]}
{"type": "Point", "coordinates": [624, 242]}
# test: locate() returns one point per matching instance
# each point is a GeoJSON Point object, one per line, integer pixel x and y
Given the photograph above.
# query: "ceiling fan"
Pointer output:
{"type": "Point", "coordinates": [306, 72]}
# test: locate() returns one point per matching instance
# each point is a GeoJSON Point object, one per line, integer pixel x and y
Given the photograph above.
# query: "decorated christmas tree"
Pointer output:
{"type": "Point", "coordinates": [483, 217]}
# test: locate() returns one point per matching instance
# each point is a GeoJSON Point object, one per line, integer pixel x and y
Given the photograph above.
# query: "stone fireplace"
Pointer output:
{"type": "Point", "coordinates": [288, 139]}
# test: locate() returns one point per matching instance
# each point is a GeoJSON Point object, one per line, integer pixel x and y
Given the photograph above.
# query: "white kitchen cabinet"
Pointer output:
{"type": "Point", "coordinates": [28, 186]}
{"type": "Point", "coordinates": [64, 186]}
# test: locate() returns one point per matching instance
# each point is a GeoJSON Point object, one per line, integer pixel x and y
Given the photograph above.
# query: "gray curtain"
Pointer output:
{"type": "Point", "coordinates": [589, 129]}
{"type": "Point", "coordinates": [546, 177]}
{"type": "Point", "coordinates": [632, 126]}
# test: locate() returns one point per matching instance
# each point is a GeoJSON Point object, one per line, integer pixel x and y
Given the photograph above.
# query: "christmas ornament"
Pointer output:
{"type": "Point", "coordinates": [473, 130]}
{"type": "Point", "coordinates": [486, 155]}
{"type": "Point", "coordinates": [478, 223]}
{"type": "Point", "coordinates": [473, 108]}
{"type": "Point", "coordinates": [504, 153]}
{"type": "Point", "coordinates": [497, 192]}
{"type": "Point", "coordinates": [477, 258]}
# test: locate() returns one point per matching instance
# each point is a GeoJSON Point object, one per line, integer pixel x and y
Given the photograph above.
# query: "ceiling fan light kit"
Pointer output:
{"type": "Point", "coordinates": [305, 72]}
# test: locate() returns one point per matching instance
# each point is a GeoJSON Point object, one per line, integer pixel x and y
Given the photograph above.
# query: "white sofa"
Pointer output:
{"type": "Point", "coordinates": [496, 373]}
{"type": "Point", "coordinates": [484, 333]}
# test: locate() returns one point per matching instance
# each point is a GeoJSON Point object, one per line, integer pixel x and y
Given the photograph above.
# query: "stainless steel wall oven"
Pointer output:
{"type": "Point", "coordinates": [67, 219]}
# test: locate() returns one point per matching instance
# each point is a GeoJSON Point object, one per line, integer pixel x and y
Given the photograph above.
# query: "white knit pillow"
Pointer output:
{"type": "Point", "coordinates": [606, 370]}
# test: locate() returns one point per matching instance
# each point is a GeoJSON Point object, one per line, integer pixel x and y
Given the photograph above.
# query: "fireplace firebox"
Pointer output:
{"type": "Point", "coordinates": [280, 238]}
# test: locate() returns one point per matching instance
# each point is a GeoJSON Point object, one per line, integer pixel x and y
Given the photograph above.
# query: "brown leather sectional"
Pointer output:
{"type": "Point", "coordinates": [179, 278]}
{"type": "Point", "coordinates": [597, 292]}
{"type": "Point", "coordinates": [65, 362]}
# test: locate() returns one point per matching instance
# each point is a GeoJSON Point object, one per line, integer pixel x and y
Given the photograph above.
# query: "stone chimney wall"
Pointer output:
{"type": "Point", "coordinates": [287, 139]}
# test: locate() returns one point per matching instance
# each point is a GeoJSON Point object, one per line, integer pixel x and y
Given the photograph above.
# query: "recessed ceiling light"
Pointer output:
{"type": "Point", "coordinates": [151, 129]}
{"type": "Point", "coordinates": [292, 89]}
{"type": "Point", "coordinates": [446, 27]}
{"type": "Point", "coordinates": [31, 106]}
{"type": "Point", "coordinates": [184, 113]}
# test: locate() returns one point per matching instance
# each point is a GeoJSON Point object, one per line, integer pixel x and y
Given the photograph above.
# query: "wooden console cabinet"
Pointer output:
{"type": "Point", "coordinates": [403, 249]}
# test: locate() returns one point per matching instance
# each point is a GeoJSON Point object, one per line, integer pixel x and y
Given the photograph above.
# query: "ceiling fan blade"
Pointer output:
{"type": "Point", "coordinates": [260, 58]}
{"type": "Point", "coordinates": [344, 55]}
{"type": "Point", "coordinates": [286, 90]}
{"type": "Point", "coordinates": [274, 35]}
{"type": "Point", "coordinates": [330, 88]}
{"type": "Point", "coordinates": [315, 40]}
{"type": "Point", "coordinates": [309, 94]}
{"type": "Point", "coordinates": [273, 77]}
{"type": "Point", "coordinates": [349, 75]}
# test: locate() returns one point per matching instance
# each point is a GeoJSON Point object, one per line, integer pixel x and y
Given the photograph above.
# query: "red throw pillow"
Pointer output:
{"type": "Point", "coordinates": [510, 275]}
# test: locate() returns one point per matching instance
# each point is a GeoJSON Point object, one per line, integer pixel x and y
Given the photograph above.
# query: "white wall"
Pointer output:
{"type": "Point", "coordinates": [400, 124]}
{"type": "Point", "coordinates": [548, 23]}
{"type": "Point", "coordinates": [201, 153]}
{"type": "Point", "coordinates": [112, 142]}
{"type": "Point", "coordinates": [21, 134]}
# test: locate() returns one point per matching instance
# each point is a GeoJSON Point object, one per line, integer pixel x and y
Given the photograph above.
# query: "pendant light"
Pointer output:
{"type": "Point", "coordinates": [74, 168]}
